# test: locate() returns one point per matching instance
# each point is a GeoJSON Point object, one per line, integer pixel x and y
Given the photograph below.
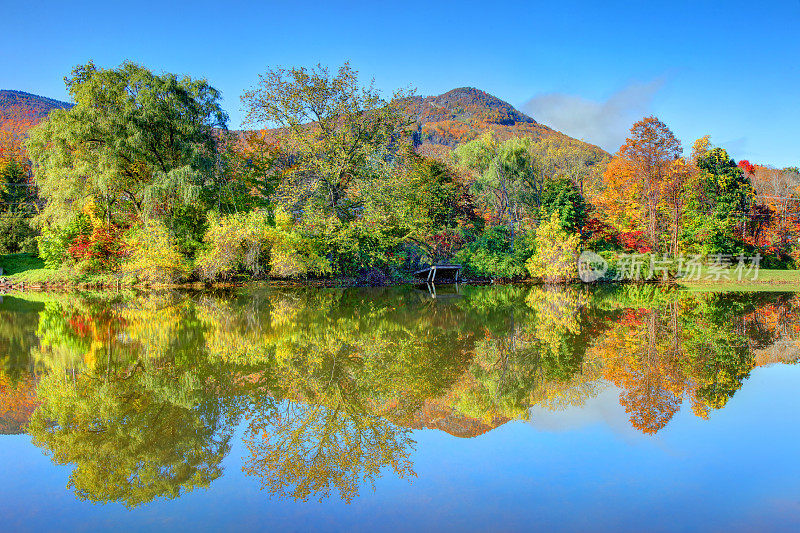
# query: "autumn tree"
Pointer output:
{"type": "Point", "coordinates": [650, 153]}
{"type": "Point", "coordinates": [14, 125]}
{"type": "Point", "coordinates": [556, 256]}
{"type": "Point", "coordinates": [619, 199]}
{"type": "Point", "coordinates": [773, 221]}
{"type": "Point", "coordinates": [334, 130]}
{"type": "Point", "coordinates": [718, 200]}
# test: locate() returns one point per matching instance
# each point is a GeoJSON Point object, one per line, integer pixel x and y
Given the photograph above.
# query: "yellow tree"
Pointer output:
{"type": "Point", "coordinates": [556, 257]}
{"type": "Point", "coordinates": [674, 196]}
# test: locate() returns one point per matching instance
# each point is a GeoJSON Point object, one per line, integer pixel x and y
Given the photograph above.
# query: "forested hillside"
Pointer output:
{"type": "Point", "coordinates": [465, 113]}
{"type": "Point", "coordinates": [31, 104]}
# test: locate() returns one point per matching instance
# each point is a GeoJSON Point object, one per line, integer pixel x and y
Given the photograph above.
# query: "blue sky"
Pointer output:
{"type": "Point", "coordinates": [729, 69]}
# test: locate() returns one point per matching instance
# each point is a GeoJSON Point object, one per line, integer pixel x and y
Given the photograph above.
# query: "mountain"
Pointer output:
{"type": "Point", "coordinates": [463, 114]}
{"type": "Point", "coordinates": [443, 121]}
{"type": "Point", "coordinates": [32, 105]}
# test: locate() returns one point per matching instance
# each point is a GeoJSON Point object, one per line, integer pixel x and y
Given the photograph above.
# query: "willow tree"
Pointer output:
{"type": "Point", "coordinates": [135, 143]}
{"type": "Point", "coordinates": [507, 178]}
{"type": "Point", "coordinates": [336, 133]}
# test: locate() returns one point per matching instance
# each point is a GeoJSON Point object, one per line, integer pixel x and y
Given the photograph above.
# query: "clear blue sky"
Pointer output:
{"type": "Point", "coordinates": [730, 69]}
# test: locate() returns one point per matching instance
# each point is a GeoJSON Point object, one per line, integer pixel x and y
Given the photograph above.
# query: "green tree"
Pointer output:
{"type": "Point", "coordinates": [507, 180]}
{"type": "Point", "coordinates": [334, 130]}
{"type": "Point", "coordinates": [725, 187]}
{"type": "Point", "coordinates": [135, 143]}
{"type": "Point", "coordinates": [562, 197]}
{"type": "Point", "coordinates": [18, 203]}
{"type": "Point", "coordinates": [718, 206]}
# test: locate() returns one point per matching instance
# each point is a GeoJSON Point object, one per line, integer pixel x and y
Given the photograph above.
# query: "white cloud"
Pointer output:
{"type": "Point", "coordinates": [604, 123]}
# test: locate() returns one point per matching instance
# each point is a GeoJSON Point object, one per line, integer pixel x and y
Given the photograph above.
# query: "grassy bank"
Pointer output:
{"type": "Point", "coordinates": [30, 270]}
{"type": "Point", "coordinates": [766, 280]}
{"type": "Point", "coordinates": [27, 268]}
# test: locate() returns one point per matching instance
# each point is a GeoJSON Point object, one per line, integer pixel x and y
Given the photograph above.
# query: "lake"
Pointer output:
{"type": "Point", "coordinates": [456, 408]}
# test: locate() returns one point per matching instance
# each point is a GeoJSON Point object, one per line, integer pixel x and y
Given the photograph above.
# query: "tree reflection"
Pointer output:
{"type": "Point", "coordinates": [134, 424]}
{"type": "Point", "coordinates": [299, 449]}
{"type": "Point", "coordinates": [141, 394]}
{"type": "Point", "coordinates": [127, 444]}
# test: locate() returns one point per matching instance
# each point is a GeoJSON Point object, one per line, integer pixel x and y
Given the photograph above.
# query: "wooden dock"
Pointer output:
{"type": "Point", "coordinates": [446, 271]}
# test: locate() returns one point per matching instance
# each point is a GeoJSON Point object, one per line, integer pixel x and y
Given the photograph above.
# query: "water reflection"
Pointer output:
{"type": "Point", "coordinates": [142, 394]}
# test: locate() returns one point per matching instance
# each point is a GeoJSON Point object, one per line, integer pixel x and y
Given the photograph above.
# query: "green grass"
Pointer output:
{"type": "Point", "coordinates": [13, 264]}
{"type": "Point", "coordinates": [29, 268]}
{"type": "Point", "coordinates": [767, 280]}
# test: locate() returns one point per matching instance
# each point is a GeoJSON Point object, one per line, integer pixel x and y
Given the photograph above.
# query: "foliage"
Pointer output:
{"type": "Point", "coordinates": [135, 143]}
{"type": "Point", "coordinates": [253, 243]}
{"type": "Point", "coordinates": [152, 256]}
{"type": "Point", "coordinates": [718, 205]}
{"type": "Point", "coordinates": [101, 250]}
{"type": "Point", "coordinates": [641, 178]}
{"type": "Point", "coordinates": [18, 203]}
{"type": "Point", "coordinates": [300, 450]}
{"type": "Point", "coordinates": [187, 224]}
{"type": "Point", "coordinates": [506, 178]}
{"type": "Point", "coordinates": [340, 181]}
{"type": "Point", "coordinates": [494, 254]}
{"type": "Point", "coordinates": [561, 197]}
{"type": "Point", "coordinates": [54, 241]}
{"type": "Point", "coordinates": [556, 257]}
{"type": "Point", "coordinates": [16, 234]}
{"type": "Point", "coordinates": [332, 127]}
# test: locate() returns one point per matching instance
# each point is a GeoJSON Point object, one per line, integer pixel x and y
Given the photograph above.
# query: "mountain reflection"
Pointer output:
{"type": "Point", "coordinates": [142, 395]}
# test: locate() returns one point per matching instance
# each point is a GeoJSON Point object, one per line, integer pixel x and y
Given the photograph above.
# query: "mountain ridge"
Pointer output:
{"type": "Point", "coordinates": [460, 115]}
{"type": "Point", "coordinates": [443, 121]}
{"type": "Point", "coordinates": [35, 105]}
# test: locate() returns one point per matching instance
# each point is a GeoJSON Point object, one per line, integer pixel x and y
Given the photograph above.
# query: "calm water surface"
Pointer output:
{"type": "Point", "coordinates": [484, 408]}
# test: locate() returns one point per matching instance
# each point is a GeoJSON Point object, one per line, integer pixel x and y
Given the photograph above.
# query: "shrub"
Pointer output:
{"type": "Point", "coordinates": [359, 246]}
{"type": "Point", "coordinates": [556, 257]}
{"type": "Point", "coordinates": [53, 243]}
{"type": "Point", "coordinates": [152, 255]}
{"type": "Point", "coordinates": [188, 225]}
{"type": "Point", "coordinates": [442, 246]}
{"type": "Point", "coordinates": [100, 251]}
{"type": "Point", "coordinates": [493, 253]}
{"type": "Point", "coordinates": [250, 243]}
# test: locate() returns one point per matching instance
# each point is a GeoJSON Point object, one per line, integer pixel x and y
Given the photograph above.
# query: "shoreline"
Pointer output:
{"type": "Point", "coordinates": [9, 284]}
